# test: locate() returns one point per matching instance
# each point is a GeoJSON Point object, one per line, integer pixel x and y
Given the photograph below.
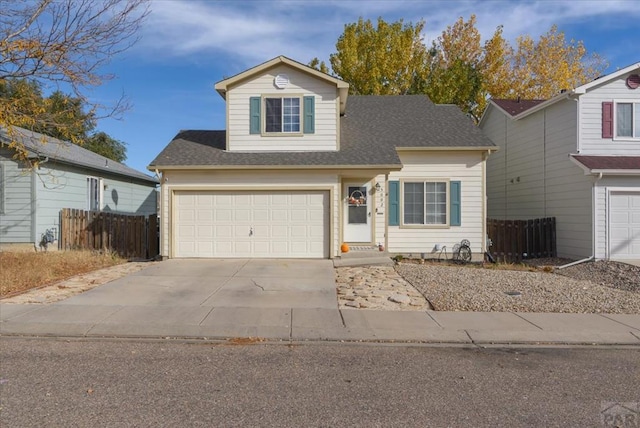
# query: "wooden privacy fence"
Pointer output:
{"type": "Point", "coordinates": [130, 236]}
{"type": "Point", "coordinates": [515, 240]}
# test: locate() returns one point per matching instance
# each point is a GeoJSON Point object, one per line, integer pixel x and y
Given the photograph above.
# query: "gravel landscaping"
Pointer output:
{"type": "Point", "coordinates": [592, 287]}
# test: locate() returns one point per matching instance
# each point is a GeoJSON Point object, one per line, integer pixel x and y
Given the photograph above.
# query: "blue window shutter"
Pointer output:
{"type": "Point", "coordinates": [254, 115]}
{"type": "Point", "coordinates": [394, 203]}
{"type": "Point", "coordinates": [455, 198]}
{"type": "Point", "coordinates": [309, 115]}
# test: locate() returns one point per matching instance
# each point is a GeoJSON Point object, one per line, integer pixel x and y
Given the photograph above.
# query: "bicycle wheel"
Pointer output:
{"type": "Point", "coordinates": [465, 254]}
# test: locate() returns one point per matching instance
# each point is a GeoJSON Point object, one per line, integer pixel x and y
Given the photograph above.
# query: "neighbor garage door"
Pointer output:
{"type": "Point", "coordinates": [624, 225]}
{"type": "Point", "coordinates": [251, 224]}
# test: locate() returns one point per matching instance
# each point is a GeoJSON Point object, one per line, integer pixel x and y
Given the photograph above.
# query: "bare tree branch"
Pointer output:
{"type": "Point", "coordinates": [65, 42]}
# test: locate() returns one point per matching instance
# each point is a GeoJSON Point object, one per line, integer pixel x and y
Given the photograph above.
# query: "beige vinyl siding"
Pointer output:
{"type": "Point", "coordinates": [250, 180]}
{"type": "Point", "coordinates": [591, 141]}
{"type": "Point", "coordinates": [300, 84]}
{"type": "Point", "coordinates": [448, 166]}
{"type": "Point", "coordinates": [16, 218]}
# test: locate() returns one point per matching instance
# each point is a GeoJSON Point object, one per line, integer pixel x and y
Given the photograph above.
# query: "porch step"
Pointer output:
{"type": "Point", "coordinates": [363, 255]}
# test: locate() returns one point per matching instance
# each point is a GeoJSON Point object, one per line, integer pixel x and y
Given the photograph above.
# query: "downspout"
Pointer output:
{"type": "Point", "coordinates": [593, 228]}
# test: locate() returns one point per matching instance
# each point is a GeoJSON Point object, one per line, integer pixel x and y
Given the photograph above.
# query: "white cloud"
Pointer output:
{"type": "Point", "coordinates": [254, 31]}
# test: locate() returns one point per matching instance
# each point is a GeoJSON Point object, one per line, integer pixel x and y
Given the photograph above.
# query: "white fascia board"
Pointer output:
{"type": "Point", "coordinates": [395, 167]}
{"type": "Point", "coordinates": [604, 79]}
{"type": "Point", "coordinates": [616, 171]}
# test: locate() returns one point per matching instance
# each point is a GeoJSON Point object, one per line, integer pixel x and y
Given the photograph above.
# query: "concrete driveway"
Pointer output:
{"type": "Point", "coordinates": [246, 283]}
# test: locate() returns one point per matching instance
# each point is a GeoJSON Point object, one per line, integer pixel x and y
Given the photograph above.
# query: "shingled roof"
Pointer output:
{"type": "Point", "coordinates": [603, 163]}
{"type": "Point", "coordinates": [371, 130]}
{"type": "Point", "coordinates": [63, 151]}
{"type": "Point", "coordinates": [515, 107]}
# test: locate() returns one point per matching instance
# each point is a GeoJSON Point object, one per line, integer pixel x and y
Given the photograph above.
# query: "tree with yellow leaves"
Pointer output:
{"type": "Point", "coordinates": [385, 59]}
{"type": "Point", "coordinates": [61, 44]}
{"type": "Point", "coordinates": [458, 68]}
{"type": "Point", "coordinates": [541, 69]}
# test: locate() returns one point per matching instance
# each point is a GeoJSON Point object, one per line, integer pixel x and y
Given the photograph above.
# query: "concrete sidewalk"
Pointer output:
{"type": "Point", "coordinates": [303, 324]}
{"type": "Point", "coordinates": [281, 300]}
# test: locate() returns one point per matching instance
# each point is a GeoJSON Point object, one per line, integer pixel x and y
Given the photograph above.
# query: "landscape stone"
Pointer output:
{"type": "Point", "coordinates": [400, 298]}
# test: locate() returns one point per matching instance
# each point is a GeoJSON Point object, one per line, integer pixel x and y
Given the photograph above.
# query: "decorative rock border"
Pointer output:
{"type": "Point", "coordinates": [377, 287]}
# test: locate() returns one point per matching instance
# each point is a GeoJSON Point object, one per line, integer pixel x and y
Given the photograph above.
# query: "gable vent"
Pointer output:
{"type": "Point", "coordinates": [281, 81]}
{"type": "Point", "coordinates": [633, 81]}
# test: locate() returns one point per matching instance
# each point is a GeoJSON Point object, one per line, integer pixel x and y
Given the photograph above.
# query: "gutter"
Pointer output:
{"type": "Point", "coordinates": [390, 167]}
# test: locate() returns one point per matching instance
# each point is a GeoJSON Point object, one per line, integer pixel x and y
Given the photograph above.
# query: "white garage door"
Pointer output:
{"type": "Point", "coordinates": [251, 224]}
{"type": "Point", "coordinates": [624, 225]}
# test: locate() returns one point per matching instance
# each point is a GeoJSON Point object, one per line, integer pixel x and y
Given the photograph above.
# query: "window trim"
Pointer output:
{"type": "Point", "coordinates": [100, 184]}
{"type": "Point", "coordinates": [447, 182]}
{"type": "Point", "coordinates": [633, 103]}
{"type": "Point", "coordinates": [263, 115]}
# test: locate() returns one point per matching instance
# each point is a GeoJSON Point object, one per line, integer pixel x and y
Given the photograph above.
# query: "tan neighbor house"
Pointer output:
{"type": "Point", "coordinates": [304, 167]}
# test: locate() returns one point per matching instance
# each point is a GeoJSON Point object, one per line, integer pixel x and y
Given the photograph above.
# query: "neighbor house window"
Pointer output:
{"type": "Point", "coordinates": [425, 202]}
{"type": "Point", "coordinates": [628, 120]}
{"type": "Point", "coordinates": [94, 193]}
{"type": "Point", "coordinates": [282, 115]}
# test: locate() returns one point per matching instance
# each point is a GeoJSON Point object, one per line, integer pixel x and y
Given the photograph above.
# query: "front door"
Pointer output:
{"type": "Point", "coordinates": [357, 212]}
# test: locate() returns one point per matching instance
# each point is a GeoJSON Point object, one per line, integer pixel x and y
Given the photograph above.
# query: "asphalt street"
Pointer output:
{"type": "Point", "coordinates": [118, 383]}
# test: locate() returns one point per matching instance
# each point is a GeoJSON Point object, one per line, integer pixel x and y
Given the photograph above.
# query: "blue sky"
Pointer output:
{"type": "Point", "coordinates": [187, 46]}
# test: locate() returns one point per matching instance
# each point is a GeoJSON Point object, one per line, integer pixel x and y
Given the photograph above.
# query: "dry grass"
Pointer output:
{"type": "Point", "coordinates": [23, 271]}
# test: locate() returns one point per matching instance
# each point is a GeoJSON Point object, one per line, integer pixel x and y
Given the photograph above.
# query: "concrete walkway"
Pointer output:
{"type": "Point", "coordinates": [284, 300]}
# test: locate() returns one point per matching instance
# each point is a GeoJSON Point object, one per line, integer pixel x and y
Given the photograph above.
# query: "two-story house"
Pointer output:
{"type": "Point", "coordinates": [575, 157]}
{"type": "Point", "coordinates": [304, 167]}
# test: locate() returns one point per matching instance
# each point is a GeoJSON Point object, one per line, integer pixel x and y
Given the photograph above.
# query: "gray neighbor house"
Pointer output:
{"type": "Point", "coordinates": [68, 176]}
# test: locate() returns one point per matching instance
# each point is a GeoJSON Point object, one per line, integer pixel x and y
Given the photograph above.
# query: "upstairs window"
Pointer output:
{"type": "Point", "coordinates": [627, 120]}
{"type": "Point", "coordinates": [282, 115]}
